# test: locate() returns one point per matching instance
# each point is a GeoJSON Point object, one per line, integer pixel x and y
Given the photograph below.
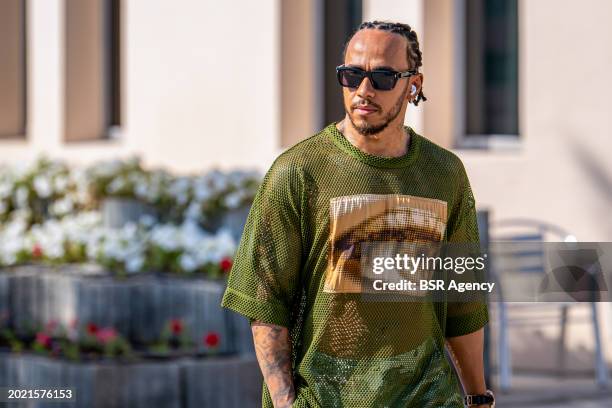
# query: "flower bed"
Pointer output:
{"type": "Point", "coordinates": [142, 247]}
{"type": "Point", "coordinates": [44, 189]}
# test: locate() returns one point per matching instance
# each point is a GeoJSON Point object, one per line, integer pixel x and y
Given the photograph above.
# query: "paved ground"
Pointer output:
{"type": "Point", "coordinates": [537, 391]}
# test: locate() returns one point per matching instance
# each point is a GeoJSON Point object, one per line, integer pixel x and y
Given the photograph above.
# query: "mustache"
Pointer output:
{"type": "Point", "coordinates": [367, 103]}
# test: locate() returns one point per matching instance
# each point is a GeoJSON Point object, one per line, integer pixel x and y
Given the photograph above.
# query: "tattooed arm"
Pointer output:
{"type": "Point", "coordinates": [273, 350]}
{"type": "Point", "coordinates": [467, 355]}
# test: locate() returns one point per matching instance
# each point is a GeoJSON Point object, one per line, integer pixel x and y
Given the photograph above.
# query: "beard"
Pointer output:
{"type": "Point", "coordinates": [371, 129]}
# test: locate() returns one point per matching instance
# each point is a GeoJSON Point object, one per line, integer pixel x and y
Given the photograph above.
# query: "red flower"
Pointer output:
{"type": "Point", "coordinates": [176, 326]}
{"type": "Point", "coordinates": [92, 328]}
{"type": "Point", "coordinates": [226, 264]}
{"type": "Point", "coordinates": [211, 339]}
{"type": "Point", "coordinates": [106, 334]}
{"type": "Point", "coordinates": [43, 339]}
{"type": "Point", "coordinates": [37, 251]}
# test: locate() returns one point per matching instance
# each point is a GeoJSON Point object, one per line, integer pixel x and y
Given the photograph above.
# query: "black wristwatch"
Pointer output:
{"type": "Point", "coordinates": [479, 399]}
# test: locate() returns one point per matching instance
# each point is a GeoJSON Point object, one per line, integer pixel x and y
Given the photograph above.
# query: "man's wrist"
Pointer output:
{"type": "Point", "coordinates": [486, 399]}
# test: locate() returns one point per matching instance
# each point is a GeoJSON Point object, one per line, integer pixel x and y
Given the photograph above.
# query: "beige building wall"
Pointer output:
{"type": "Point", "coordinates": [299, 56]}
{"type": "Point", "coordinates": [201, 85]}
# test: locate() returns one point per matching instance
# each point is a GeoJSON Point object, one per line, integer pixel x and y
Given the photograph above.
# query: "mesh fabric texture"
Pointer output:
{"type": "Point", "coordinates": [298, 257]}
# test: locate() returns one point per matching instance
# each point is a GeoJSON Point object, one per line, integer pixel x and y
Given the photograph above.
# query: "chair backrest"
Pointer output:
{"type": "Point", "coordinates": [517, 247]}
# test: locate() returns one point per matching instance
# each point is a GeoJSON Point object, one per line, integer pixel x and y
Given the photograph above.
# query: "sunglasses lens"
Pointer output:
{"type": "Point", "coordinates": [350, 78]}
{"type": "Point", "coordinates": [384, 81]}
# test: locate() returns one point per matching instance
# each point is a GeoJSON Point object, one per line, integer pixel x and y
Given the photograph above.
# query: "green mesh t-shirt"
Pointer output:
{"type": "Point", "coordinates": [295, 267]}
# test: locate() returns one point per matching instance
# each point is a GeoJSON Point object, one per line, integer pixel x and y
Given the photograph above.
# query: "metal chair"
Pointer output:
{"type": "Point", "coordinates": [530, 259]}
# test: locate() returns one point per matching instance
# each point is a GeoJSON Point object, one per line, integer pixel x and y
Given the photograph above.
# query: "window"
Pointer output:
{"type": "Point", "coordinates": [12, 69]}
{"type": "Point", "coordinates": [93, 100]}
{"type": "Point", "coordinates": [491, 71]}
{"type": "Point", "coordinates": [341, 18]}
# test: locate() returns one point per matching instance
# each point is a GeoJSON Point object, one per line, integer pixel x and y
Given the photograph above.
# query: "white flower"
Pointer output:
{"type": "Point", "coordinates": [225, 241]}
{"type": "Point", "coordinates": [22, 169]}
{"type": "Point", "coordinates": [179, 189]}
{"type": "Point", "coordinates": [217, 179]}
{"type": "Point", "coordinates": [118, 184]}
{"type": "Point", "coordinates": [106, 169]}
{"type": "Point", "coordinates": [62, 206]}
{"type": "Point", "coordinates": [49, 236]}
{"type": "Point", "coordinates": [187, 262]}
{"type": "Point", "coordinates": [12, 240]}
{"type": "Point", "coordinates": [80, 193]}
{"type": "Point", "coordinates": [233, 199]}
{"type": "Point", "coordinates": [165, 237]}
{"type": "Point", "coordinates": [42, 186]}
{"type": "Point", "coordinates": [134, 263]}
{"type": "Point", "coordinates": [6, 187]}
{"type": "Point", "coordinates": [201, 190]}
{"type": "Point", "coordinates": [141, 190]}
{"type": "Point", "coordinates": [194, 211]}
{"type": "Point", "coordinates": [60, 183]}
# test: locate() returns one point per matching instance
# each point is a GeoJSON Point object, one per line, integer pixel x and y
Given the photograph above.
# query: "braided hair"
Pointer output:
{"type": "Point", "coordinates": [413, 51]}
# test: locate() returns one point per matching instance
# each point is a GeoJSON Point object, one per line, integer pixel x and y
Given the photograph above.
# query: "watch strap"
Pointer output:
{"type": "Point", "coordinates": [478, 399]}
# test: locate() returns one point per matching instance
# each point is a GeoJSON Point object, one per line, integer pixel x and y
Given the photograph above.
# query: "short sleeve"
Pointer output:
{"type": "Point", "coordinates": [265, 273]}
{"type": "Point", "coordinates": [464, 317]}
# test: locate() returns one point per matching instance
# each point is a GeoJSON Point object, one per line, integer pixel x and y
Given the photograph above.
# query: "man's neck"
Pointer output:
{"type": "Point", "coordinates": [391, 142]}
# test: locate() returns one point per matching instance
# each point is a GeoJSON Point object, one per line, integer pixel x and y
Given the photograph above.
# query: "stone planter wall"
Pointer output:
{"type": "Point", "coordinates": [232, 382]}
{"type": "Point", "coordinates": [234, 220]}
{"type": "Point", "coordinates": [4, 295]}
{"type": "Point", "coordinates": [117, 211]}
{"type": "Point", "coordinates": [214, 382]}
{"type": "Point", "coordinates": [138, 307]}
{"type": "Point", "coordinates": [197, 302]}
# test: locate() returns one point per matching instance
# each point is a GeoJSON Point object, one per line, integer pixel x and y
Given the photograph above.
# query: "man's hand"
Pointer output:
{"type": "Point", "coordinates": [467, 355]}
{"type": "Point", "coordinates": [273, 350]}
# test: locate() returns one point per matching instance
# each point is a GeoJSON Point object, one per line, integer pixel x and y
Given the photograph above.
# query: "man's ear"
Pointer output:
{"type": "Point", "coordinates": [417, 81]}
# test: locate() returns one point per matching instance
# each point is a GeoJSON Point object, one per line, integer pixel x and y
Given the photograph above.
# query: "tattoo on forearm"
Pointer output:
{"type": "Point", "coordinates": [273, 350]}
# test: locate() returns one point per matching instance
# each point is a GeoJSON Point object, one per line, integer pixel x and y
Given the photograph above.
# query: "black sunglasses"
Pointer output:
{"type": "Point", "coordinates": [381, 79]}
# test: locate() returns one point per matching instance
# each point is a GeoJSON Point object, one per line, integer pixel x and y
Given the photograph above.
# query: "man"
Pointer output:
{"type": "Point", "coordinates": [318, 341]}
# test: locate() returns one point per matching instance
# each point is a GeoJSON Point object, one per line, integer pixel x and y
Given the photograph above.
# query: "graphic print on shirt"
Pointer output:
{"type": "Point", "coordinates": [363, 218]}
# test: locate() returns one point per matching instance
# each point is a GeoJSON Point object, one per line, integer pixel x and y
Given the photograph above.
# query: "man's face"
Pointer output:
{"type": "Point", "coordinates": [371, 110]}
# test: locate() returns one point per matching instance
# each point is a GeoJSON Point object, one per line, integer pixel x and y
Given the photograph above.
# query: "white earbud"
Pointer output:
{"type": "Point", "coordinates": [414, 89]}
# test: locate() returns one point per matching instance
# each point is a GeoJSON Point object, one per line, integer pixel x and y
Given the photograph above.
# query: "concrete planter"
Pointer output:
{"type": "Point", "coordinates": [240, 334]}
{"type": "Point", "coordinates": [97, 384]}
{"type": "Point", "coordinates": [138, 307]}
{"type": "Point", "coordinates": [213, 382]}
{"type": "Point", "coordinates": [230, 382]}
{"type": "Point", "coordinates": [195, 301]}
{"type": "Point", "coordinates": [118, 211]}
{"type": "Point", "coordinates": [39, 294]}
{"type": "Point", "coordinates": [234, 220]}
{"type": "Point", "coordinates": [4, 297]}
